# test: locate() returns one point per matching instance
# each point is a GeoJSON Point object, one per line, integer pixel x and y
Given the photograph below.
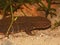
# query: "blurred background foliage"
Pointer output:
{"type": "Point", "coordinates": [5, 6]}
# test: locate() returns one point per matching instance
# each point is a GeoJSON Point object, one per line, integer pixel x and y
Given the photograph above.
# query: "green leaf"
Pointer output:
{"type": "Point", "coordinates": [15, 18]}
{"type": "Point", "coordinates": [57, 23]}
{"type": "Point", "coordinates": [3, 3]}
{"type": "Point", "coordinates": [26, 6]}
{"type": "Point", "coordinates": [27, 1]}
{"type": "Point", "coordinates": [52, 9]}
{"type": "Point", "coordinates": [23, 12]}
{"type": "Point", "coordinates": [38, 1]}
{"type": "Point", "coordinates": [40, 9]}
{"type": "Point", "coordinates": [52, 14]}
{"type": "Point", "coordinates": [42, 6]}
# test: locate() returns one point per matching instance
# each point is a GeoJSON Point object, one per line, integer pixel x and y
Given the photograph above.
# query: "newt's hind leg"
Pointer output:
{"type": "Point", "coordinates": [28, 30]}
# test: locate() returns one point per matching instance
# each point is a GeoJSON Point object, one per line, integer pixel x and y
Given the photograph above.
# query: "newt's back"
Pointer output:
{"type": "Point", "coordinates": [26, 23]}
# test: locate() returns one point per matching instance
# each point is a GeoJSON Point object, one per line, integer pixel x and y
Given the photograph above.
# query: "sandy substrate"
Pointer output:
{"type": "Point", "coordinates": [42, 37]}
